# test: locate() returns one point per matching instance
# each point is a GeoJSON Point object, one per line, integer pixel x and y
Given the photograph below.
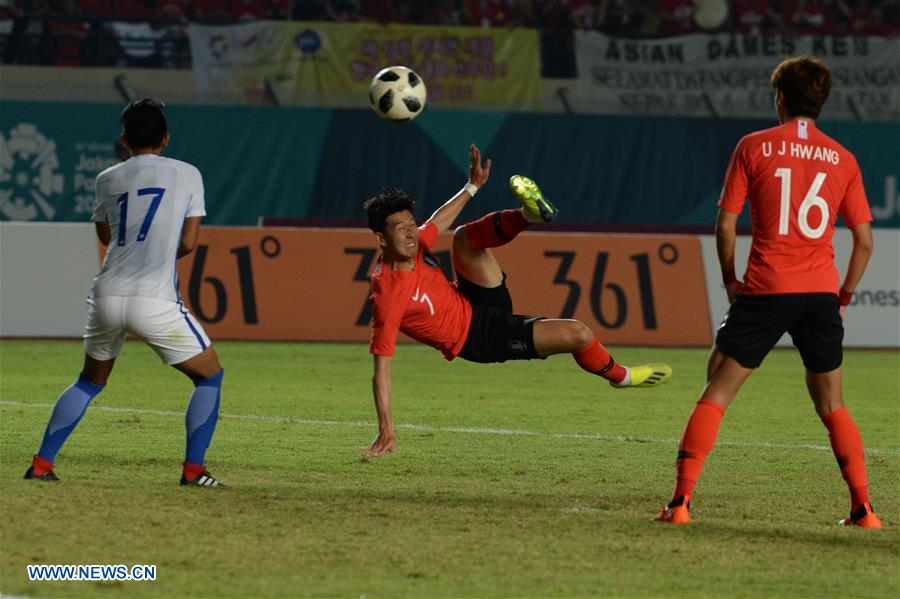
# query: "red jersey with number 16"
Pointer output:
{"type": "Point", "coordinates": [797, 180]}
{"type": "Point", "coordinates": [422, 303]}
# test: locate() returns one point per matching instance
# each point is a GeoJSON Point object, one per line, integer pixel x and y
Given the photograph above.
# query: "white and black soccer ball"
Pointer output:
{"type": "Point", "coordinates": [397, 94]}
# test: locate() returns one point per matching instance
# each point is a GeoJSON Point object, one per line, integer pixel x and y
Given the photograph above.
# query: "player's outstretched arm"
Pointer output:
{"type": "Point", "coordinates": [189, 233]}
{"type": "Point", "coordinates": [381, 389]}
{"type": "Point", "coordinates": [479, 174]}
{"type": "Point", "coordinates": [726, 237]}
{"type": "Point", "coordinates": [859, 258]}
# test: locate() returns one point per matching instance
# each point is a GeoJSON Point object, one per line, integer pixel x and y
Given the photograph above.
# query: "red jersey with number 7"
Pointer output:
{"type": "Point", "coordinates": [422, 303]}
{"type": "Point", "coordinates": [797, 180]}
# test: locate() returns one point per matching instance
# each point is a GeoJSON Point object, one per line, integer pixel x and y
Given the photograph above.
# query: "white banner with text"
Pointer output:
{"type": "Point", "coordinates": [728, 75]}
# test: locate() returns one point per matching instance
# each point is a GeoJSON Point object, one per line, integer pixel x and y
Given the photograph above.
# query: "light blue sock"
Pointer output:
{"type": "Point", "coordinates": [67, 413]}
{"type": "Point", "coordinates": [201, 416]}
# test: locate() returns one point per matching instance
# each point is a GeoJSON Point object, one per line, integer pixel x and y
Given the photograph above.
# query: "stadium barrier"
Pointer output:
{"type": "Point", "coordinates": [299, 163]}
{"type": "Point", "coordinates": [312, 284]}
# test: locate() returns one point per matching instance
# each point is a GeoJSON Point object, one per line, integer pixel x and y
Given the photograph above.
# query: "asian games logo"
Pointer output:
{"type": "Point", "coordinates": [29, 174]}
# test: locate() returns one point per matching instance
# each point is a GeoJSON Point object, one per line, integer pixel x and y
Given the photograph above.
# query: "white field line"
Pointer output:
{"type": "Point", "coordinates": [464, 430]}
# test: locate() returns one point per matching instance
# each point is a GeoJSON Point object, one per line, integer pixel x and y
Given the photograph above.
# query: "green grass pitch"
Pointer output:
{"type": "Point", "coordinates": [522, 479]}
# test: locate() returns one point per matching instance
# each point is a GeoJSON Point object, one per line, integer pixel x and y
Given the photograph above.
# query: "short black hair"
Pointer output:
{"type": "Point", "coordinates": [805, 83]}
{"type": "Point", "coordinates": [390, 201]}
{"type": "Point", "coordinates": [144, 124]}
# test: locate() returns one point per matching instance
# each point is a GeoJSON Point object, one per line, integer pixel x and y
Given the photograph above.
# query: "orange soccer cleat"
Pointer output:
{"type": "Point", "coordinates": [864, 517]}
{"type": "Point", "coordinates": [676, 512]}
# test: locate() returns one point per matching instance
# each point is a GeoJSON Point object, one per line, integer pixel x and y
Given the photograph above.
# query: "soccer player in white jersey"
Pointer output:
{"type": "Point", "coordinates": [147, 213]}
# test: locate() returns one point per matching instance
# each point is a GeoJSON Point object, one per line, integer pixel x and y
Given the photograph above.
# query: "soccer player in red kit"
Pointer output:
{"type": "Point", "coordinates": [797, 180]}
{"type": "Point", "coordinates": [472, 317]}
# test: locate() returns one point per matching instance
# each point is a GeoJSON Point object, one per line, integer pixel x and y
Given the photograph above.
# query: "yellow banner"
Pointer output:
{"type": "Point", "coordinates": [461, 66]}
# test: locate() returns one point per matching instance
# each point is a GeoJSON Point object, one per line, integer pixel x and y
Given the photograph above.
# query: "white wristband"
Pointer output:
{"type": "Point", "coordinates": [471, 188]}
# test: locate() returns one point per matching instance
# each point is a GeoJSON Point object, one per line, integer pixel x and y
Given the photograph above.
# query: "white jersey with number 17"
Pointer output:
{"type": "Point", "coordinates": [145, 201]}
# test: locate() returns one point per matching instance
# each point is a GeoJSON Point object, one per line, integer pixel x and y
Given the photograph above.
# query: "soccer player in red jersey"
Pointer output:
{"type": "Point", "coordinates": [472, 317]}
{"type": "Point", "coordinates": [797, 180]}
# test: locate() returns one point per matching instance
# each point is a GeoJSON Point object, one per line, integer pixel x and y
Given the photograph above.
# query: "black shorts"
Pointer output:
{"type": "Point", "coordinates": [495, 333]}
{"type": "Point", "coordinates": [755, 323]}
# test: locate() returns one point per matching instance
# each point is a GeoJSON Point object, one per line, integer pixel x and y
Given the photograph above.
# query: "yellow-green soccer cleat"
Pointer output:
{"type": "Point", "coordinates": [536, 208]}
{"type": "Point", "coordinates": [646, 375]}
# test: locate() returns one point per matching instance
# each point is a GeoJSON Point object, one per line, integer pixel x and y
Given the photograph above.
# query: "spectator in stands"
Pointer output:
{"type": "Point", "coordinates": [870, 18]}
{"type": "Point", "coordinates": [519, 13]}
{"type": "Point", "coordinates": [130, 9]}
{"type": "Point", "coordinates": [814, 17]}
{"type": "Point", "coordinates": [444, 12]}
{"type": "Point", "coordinates": [174, 45]}
{"type": "Point", "coordinates": [584, 14]}
{"type": "Point", "coordinates": [749, 16]}
{"type": "Point", "coordinates": [172, 10]}
{"type": "Point", "coordinates": [620, 17]}
{"type": "Point", "coordinates": [780, 16]}
{"type": "Point", "coordinates": [96, 8]}
{"type": "Point", "coordinates": [554, 15]}
{"type": "Point", "coordinates": [281, 9]}
{"type": "Point", "coordinates": [249, 10]}
{"type": "Point", "coordinates": [67, 31]}
{"type": "Point", "coordinates": [482, 13]}
{"type": "Point", "coordinates": [211, 11]}
{"type": "Point", "coordinates": [891, 11]}
{"type": "Point", "coordinates": [677, 16]}
{"type": "Point", "coordinates": [9, 10]}
{"type": "Point", "coordinates": [343, 10]}
{"type": "Point", "coordinates": [29, 33]}
{"type": "Point", "coordinates": [309, 10]}
{"type": "Point", "coordinates": [557, 43]}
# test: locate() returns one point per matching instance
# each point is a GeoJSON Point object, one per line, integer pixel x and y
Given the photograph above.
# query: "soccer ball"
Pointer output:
{"type": "Point", "coordinates": [397, 94]}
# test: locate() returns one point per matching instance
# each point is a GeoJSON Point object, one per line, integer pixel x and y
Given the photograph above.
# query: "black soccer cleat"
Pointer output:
{"type": "Point", "coordinates": [204, 479]}
{"type": "Point", "coordinates": [48, 476]}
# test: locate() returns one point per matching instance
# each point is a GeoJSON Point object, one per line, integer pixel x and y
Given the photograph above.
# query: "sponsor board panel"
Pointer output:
{"type": "Point", "coordinates": [46, 271]}
{"type": "Point", "coordinates": [312, 284]}
{"type": "Point", "coordinates": [873, 317]}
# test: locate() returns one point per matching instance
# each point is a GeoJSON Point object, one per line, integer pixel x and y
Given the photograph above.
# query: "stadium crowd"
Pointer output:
{"type": "Point", "coordinates": [153, 33]}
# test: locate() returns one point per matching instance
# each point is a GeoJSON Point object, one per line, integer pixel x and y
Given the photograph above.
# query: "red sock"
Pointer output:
{"type": "Point", "coordinates": [847, 445]}
{"type": "Point", "coordinates": [697, 441]}
{"type": "Point", "coordinates": [40, 465]}
{"type": "Point", "coordinates": [192, 471]}
{"type": "Point", "coordinates": [496, 228]}
{"type": "Point", "coordinates": [595, 359]}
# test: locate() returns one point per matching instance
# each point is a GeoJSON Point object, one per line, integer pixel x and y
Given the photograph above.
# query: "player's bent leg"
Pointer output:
{"type": "Point", "coordinates": [201, 415]}
{"type": "Point", "coordinates": [559, 336]}
{"type": "Point", "coordinates": [97, 371]}
{"type": "Point", "coordinates": [716, 358]}
{"type": "Point", "coordinates": [67, 413]}
{"type": "Point", "coordinates": [846, 443]}
{"type": "Point", "coordinates": [566, 336]}
{"type": "Point", "coordinates": [477, 265]}
{"type": "Point", "coordinates": [700, 434]}
{"type": "Point", "coordinates": [562, 336]}
{"type": "Point", "coordinates": [179, 339]}
{"type": "Point", "coordinates": [202, 366]}
{"type": "Point", "coordinates": [726, 380]}
{"type": "Point", "coordinates": [496, 228]}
